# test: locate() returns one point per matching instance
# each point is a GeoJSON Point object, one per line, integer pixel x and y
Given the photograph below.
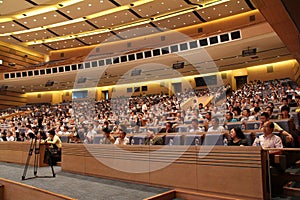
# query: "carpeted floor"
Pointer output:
{"type": "Point", "coordinates": [78, 186]}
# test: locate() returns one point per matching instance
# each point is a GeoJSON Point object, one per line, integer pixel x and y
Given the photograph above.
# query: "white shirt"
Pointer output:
{"type": "Point", "coordinates": [125, 141]}
{"type": "Point", "coordinates": [270, 141]}
{"type": "Point", "coordinates": [11, 138]}
{"type": "Point", "coordinates": [218, 129]}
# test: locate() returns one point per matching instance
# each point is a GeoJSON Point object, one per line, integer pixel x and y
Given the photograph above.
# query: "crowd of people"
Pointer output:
{"type": "Point", "coordinates": [82, 120]}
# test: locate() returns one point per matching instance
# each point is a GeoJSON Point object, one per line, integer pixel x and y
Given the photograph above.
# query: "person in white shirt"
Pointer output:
{"type": "Point", "coordinates": [122, 139]}
{"type": "Point", "coordinates": [195, 127]}
{"type": "Point", "coordinates": [268, 139]}
{"type": "Point", "coordinates": [89, 136]}
{"type": "Point", "coordinates": [215, 126]}
{"type": "Point", "coordinates": [9, 136]}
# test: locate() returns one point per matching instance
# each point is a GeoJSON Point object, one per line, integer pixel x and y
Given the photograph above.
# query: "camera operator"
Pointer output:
{"type": "Point", "coordinates": [53, 151]}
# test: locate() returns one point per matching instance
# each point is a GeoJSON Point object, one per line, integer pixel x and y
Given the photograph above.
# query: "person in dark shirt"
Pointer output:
{"type": "Point", "coordinates": [167, 129]}
{"type": "Point", "coordinates": [153, 139]}
{"type": "Point", "coordinates": [237, 137]}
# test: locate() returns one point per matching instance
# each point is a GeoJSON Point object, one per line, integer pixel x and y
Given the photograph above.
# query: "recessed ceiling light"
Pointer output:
{"type": "Point", "coordinates": [12, 25]}
{"type": "Point", "coordinates": [54, 15]}
{"type": "Point", "coordinates": [101, 1]}
{"type": "Point", "coordinates": [78, 8]}
{"type": "Point", "coordinates": [2, 26]}
{"type": "Point", "coordinates": [25, 22]}
{"type": "Point", "coordinates": [68, 11]}
{"type": "Point", "coordinates": [89, 4]}
{"type": "Point", "coordinates": [44, 17]}
{"type": "Point", "coordinates": [34, 20]}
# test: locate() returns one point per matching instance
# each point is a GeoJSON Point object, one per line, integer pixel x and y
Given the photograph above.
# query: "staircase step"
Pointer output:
{"type": "Point", "coordinates": [290, 190]}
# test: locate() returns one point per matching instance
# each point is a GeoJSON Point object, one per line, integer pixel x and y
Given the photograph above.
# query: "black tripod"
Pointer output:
{"type": "Point", "coordinates": [35, 147]}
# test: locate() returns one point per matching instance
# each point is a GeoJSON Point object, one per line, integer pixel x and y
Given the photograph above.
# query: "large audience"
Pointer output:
{"type": "Point", "coordinates": [83, 119]}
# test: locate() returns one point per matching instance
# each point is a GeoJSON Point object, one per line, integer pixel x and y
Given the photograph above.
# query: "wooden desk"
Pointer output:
{"type": "Point", "coordinates": [238, 172]}
{"type": "Point", "coordinates": [17, 152]}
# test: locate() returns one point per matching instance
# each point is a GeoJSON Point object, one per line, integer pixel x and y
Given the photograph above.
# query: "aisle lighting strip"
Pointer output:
{"type": "Point", "coordinates": [39, 10]}
{"type": "Point", "coordinates": [73, 21]}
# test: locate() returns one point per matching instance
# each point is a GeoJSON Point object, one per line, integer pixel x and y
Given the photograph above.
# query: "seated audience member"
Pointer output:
{"type": "Point", "coordinates": [9, 136]}
{"type": "Point", "coordinates": [285, 110]}
{"type": "Point", "coordinates": [246, 115]}
{"type": "Point", "coordinates": [237, 137]}
{"type": "Point", "coordinates": [229, 117]}
{"type": "Point", "coordinates": [215, 126]}
{"type": "Point", "coordinates": [89, 136]}
{"type": "Point", "coordinates": [207, 120]}
{"type": "Point", "coordinates": [195, 127]}
{"type": "Point", "coordinates": [153, 139]}
{"type": "Point", "coordinates": [167, 129]}
{"type": "Point", "coordinates": [122, 139]}
{"type": "Point", "coordinates": [107, 137]}
{"type": "Point", "coordinates": [29, 134]}
{"type": "Point", "coordinates": [268, 139]}
{"type": "Point", "coordinates": [269, 110]}
{"type": "Point", "coordinates": [264, 117]}
{"type": "Point", "coordinates": [255, 114]}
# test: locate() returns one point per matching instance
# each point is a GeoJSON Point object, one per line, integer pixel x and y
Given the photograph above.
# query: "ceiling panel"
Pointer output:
{"type": "Point", "coordinates": [8, 27]}
{"type": "Point", "coordinates": [114, 19]}
{"type": "Point", "coordinates": [6, 7]}
{"type": "Point", "coordinates": [86, 8]}
{"type": "Point", "coordinates": [224, 10]}
{"type": "Point", "coordinates": [178, 22]}
{"type": "Point", "coordinates": [72, 28]}
{"type": "Point", "coordinates": [137, 31]}
{"type": "Point", "coordinates": [42, 19]}
{"type": "Point", "coordinates": [97, 39]}
{"type": "Point", "coordinates": [159, 7]}
{"type": "Point", "coordinates": [25, 37]}
{"type": "Point", "coordinates": [65, 44]}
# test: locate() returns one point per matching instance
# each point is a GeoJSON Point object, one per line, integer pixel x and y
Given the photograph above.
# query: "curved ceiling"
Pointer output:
{"type": "Point", "coordinates": [60, 25]}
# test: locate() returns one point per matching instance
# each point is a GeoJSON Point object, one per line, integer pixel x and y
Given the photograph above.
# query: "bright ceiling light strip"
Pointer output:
{"type": "Point", "coordinates": [138, 23]}
{"type": "Point", "coordinates": [39, 10]}
{"type": "Point", "coordinates": [99, 14]}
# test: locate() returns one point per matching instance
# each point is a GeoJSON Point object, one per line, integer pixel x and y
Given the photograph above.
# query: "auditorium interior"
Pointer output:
{"type": "Point", "coordinates": [150, 99]}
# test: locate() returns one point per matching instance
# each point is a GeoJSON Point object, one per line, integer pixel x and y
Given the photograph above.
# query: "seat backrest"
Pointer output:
{"type": "Point", "coordinates": [252, 125]}
{"type": "Point", "coordinates": [173, 140]}
{"type": "Point", "coordinates": [97, 139]}
{"type": "Point", "coordinates": [138, 139]}
{"type": "Point", "coordinates": [231, 125]}
{"type": "Point", "coordinates": [192, 139]}
{"type": "Point", "coordinates": [64, 139]}
{"type": "Point", "coordinates": [213, 139]}
{"type": "Point", "coordinates": [182, 129]}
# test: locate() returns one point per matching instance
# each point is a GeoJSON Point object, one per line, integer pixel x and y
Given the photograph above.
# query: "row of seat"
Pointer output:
{"type": "Point", "coordinates": [178, 139]}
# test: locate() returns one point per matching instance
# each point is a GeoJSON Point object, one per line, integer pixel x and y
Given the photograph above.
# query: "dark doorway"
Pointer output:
{"type": "Point", "coordinates": [177, 88]}
{"type": "Point", "coordinates": [240, 81]}
{"type": "Point", "coordinates": [105, 94]}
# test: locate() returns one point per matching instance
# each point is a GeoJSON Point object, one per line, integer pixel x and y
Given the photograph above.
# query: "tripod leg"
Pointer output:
{"type": "Point", "coordinates": [36, 157]}
{"type": "Point", "coordinates": [50, 161]}
{"type": "Point", "coordinates": [28, 158]}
